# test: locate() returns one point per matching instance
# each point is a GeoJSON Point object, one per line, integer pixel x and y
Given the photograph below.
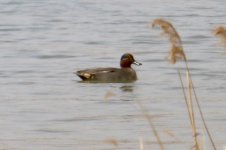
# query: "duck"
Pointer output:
{"type": "Point", "coordinates": [110, 74]}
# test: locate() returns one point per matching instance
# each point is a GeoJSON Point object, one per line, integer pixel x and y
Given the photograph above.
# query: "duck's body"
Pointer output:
{"type": "Point", "coordinates": [108, 75]}
{"type": "Point", "coordinates": [123, 74]}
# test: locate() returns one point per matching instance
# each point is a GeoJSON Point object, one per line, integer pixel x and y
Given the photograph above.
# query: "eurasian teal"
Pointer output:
{"type": "Point", "coordinates": [112, 75]}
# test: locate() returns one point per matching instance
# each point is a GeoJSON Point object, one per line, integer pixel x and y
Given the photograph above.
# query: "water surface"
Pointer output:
{"type": "Point", "coordinates": [43, 106]}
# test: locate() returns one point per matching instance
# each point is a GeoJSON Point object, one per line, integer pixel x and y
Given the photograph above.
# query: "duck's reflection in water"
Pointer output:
{"type": "Point", "coordinates": [127, 88]}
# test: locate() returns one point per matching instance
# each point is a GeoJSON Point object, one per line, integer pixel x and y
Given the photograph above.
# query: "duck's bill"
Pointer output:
{"type": "Point", "coordinates": [137, 63]}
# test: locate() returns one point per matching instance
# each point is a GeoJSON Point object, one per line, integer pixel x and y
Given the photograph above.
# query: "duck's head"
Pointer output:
{"type": "Point", "coordinates": [127, 59]}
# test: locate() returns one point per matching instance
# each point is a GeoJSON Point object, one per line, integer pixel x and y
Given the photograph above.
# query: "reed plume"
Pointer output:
{"type": "Point", "coordinates": [176, 51]}
{"type": "Point", "coordinates": [221, 33]}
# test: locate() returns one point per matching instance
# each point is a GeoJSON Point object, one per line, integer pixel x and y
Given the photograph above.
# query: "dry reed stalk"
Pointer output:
{"type": "Point", "coordinates": [190, 110]}
{"type": "Point", "coordinates": [191, 107]}
{"type": "Point", "coordinates": [199, 107]}
{"type": "Point", "coordinates": [184, 94]}
{"type": "Point", "coordinates": [149, 118]}
{"type": "Point", "coordinates": [176, 42]}
{"type": "Point", "coordinates": [221, 33]}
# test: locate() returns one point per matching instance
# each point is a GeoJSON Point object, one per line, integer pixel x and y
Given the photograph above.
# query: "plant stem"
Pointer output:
{"type": "Point", "coordinates": [199, 107]}
{"type": "Point", "coordinates": [190, 111]}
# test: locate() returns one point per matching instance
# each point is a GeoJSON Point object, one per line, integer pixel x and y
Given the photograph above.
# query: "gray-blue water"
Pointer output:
{"type": "Point", "coordinates": [44, 107]}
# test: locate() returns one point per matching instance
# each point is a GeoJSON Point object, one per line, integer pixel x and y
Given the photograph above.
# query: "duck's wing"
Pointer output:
{"type": "Point", "coordinates": [89, 74]}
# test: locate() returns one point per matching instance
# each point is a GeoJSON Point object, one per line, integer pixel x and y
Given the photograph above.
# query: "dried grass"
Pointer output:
{"type": "Point", "coordinates": [221, 33]}
{"type": "Point", "coordinates": [190, 109]}
{"type": "Point", "coordinates": [175, 53]}
{"type": "Point", "coordinates": [141, 144]}
{"type": "Point", "coordinates": [111, 141]}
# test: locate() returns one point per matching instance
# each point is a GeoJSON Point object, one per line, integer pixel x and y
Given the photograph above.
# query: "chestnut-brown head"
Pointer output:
{"type": "Point", "coordinates": [127, 59]}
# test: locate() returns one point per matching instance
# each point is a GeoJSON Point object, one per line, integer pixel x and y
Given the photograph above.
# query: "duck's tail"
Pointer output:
{"type": "Point", "coordinates": [84, 75]}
